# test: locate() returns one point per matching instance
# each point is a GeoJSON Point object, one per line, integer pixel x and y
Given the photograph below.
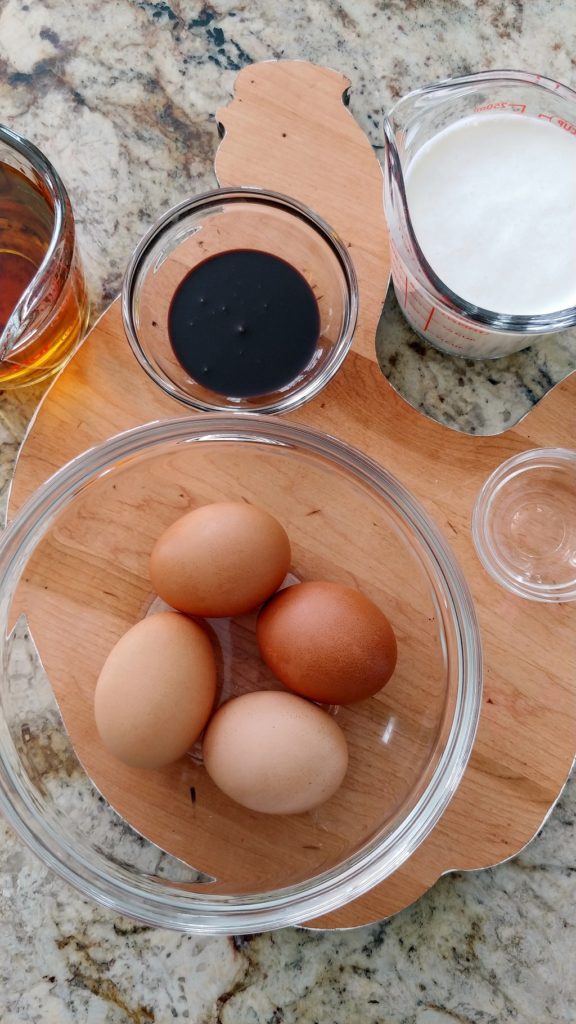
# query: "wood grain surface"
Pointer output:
{"type": "Point", "coordinates": [288, 130]}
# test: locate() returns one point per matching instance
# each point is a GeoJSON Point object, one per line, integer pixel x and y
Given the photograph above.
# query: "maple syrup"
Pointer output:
{"type": "Point", "coordinates": [40, 341]}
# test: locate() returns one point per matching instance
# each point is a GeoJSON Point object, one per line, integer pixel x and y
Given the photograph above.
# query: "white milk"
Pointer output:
{"type": "Point", "coordinates": [492, 200]}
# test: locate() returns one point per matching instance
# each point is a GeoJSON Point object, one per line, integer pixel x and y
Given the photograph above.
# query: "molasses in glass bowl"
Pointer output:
{"type": "Point", "coordinates": [240, 300]}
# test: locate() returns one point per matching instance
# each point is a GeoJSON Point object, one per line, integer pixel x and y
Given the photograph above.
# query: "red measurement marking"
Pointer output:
{"type": "Point", "coordinates": [519, 108]}
{"type": "Point", "coordinates": [430, 315]}
{"type": "Point", "coordinates": [467, 326]}
{"type": "Point", "coordinates": [566, 126]}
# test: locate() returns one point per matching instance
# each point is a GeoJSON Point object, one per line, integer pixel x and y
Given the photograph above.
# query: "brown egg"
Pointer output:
{"type": "Point", "coordinates": [327, 642]}
{"type": "Point", "coordinates": [156, 690]}
{"type": "Point", "coordinates": [220, 559]}
{"type": "Point", "coordinates": [275, 753]}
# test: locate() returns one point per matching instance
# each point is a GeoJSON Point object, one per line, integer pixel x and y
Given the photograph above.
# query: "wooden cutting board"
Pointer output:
{"type": "Point", "coordinates": [287, 129]}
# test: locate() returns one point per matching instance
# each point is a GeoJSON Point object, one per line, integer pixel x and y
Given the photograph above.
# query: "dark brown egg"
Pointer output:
{"type": "Point", "coordinates": [327, 642]}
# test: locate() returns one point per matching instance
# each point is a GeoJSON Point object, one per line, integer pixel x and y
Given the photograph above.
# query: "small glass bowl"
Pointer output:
{"type": "Point", "coordinates": [238, 219]}
{"type": "Point", "coordinates": [524, 524]}
{"type": "Point", "coordinates": [94, 523]}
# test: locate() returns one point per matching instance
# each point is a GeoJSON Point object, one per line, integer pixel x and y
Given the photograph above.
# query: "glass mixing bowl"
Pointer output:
{"type": "Point", "coordinates": [74, 577]}
{"type": "Point", "coordinates": [232, 220]}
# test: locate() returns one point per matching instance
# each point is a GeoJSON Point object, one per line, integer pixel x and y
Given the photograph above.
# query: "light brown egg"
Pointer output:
{"type": "Point", "coordinates": [327, 642]}
{"type": "Point", "coordinates": [220, 559]}
{"type": "Point", "coordinates": [275, 753]}
{"type": "Point", "coordinates": [156, 690]}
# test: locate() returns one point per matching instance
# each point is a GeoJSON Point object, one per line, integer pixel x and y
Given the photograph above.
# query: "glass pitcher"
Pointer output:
{"type": "Point", "coordinates": [43, 299]}
{"type": "Point", "coordinates": [433, 310]}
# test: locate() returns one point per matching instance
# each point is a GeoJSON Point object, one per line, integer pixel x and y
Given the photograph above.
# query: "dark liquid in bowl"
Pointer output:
{"type": "Point", "coordinates": [244, 323]}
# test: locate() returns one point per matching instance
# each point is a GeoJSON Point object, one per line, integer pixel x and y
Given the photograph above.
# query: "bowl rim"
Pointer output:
{"type": "Point", "coordinates": [290, 399]}
{"type": "Point", "coordinates": [199, 913]}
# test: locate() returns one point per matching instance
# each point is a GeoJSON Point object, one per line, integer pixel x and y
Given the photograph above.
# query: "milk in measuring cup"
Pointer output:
{"type": "Point", "coordinates": [492, 199]}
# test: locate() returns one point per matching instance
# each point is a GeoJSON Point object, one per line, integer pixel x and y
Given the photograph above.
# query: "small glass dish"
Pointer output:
{"type": "Point", "coordinates": [74, 576]}
{"type": "Point", "coordinates": [222, 221]}
{"type": "Point", "coordinates": [524, 524]}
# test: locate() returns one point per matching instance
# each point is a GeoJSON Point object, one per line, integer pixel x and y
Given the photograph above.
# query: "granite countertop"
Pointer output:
{"type": "Point", "coordinates": [121, 96]}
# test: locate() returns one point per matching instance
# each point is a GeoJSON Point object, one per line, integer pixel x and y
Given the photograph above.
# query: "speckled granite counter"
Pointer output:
{"type": "Point", "coordinates": [122, 96]}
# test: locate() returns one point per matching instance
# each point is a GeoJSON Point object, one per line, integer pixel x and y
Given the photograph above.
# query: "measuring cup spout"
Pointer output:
{"type": "Point", "coordinates": [14, 336]}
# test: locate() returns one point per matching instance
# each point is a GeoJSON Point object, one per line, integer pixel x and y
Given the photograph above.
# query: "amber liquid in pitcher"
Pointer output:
{"type": "Point", "coordinates": [26, 228]}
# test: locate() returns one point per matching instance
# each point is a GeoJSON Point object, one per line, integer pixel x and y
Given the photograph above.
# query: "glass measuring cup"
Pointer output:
{"type": "Point", "coordinates": [433, 310]}
{"type": "Point", "coordinates": [43, 300]}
